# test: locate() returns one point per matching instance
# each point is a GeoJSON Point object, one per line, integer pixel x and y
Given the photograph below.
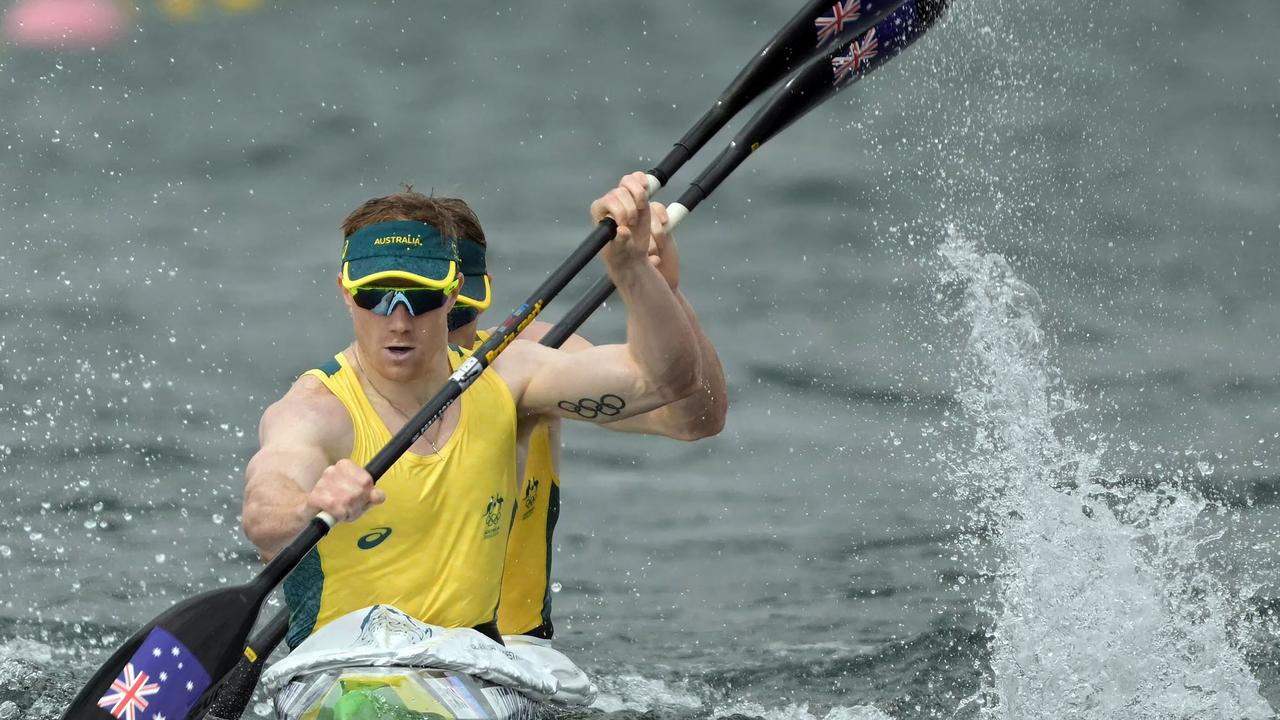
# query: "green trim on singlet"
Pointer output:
{"type": "Point", "coordinates": [304, 606]}
{"type": "Point", "coordinates": [553, 515]}
{"type": "Point", "coordinates": [330, 368]}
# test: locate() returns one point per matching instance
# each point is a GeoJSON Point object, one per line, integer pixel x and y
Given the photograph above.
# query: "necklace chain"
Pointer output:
{"type": "Point", "coordinates": [435, 450]}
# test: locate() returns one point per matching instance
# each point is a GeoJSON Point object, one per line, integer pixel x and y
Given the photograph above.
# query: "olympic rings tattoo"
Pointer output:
{"type": "Point", "coordinates": [609, 405]}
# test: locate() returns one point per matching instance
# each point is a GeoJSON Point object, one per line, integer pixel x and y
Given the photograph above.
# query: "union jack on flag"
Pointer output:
{"type": "Point", "coordinates": [128, 694]}
{"type": "Point", "coordinates": [162, 681]}
{"type": "Point", "coordinates": [832, 22]}
{"type": "Point", "coordinates": [858, 53]}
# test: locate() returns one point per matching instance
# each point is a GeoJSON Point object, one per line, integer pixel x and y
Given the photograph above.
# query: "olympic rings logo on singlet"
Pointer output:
{"type": "Point", "coordinates": [608, 405]}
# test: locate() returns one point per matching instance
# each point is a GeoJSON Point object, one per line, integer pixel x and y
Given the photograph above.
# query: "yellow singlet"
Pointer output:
{"type": "Point", "coordinates": [526, 598]}
{"type": "Point", "coordinates": [436, 547]}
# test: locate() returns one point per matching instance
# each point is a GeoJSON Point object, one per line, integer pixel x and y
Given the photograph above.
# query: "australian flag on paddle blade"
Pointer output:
{"type": "Point", "coordinates": [162, 681]}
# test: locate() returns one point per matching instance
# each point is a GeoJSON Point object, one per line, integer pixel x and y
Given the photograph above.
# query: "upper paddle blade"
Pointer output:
{"type": "Point", "coordinates": [168, 668]}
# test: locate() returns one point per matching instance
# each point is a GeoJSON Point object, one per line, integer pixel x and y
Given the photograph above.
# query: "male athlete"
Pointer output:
{"type": "Point", "coordinates": [525, 609]}
{"type": "Point", "coordinates": [430, 539]}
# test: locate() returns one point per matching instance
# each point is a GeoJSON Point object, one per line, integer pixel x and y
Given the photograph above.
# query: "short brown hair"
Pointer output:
{"type": "Point", "coordinates": [465, 220]}
{"type": "Point", "coordinates": [407, 204]}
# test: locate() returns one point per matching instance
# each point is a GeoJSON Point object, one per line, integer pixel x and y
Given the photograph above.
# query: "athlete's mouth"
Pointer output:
{"type": "Point", "coordinates": [399, 350]}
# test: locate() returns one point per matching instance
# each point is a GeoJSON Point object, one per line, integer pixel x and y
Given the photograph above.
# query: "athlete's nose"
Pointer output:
{"type": "Point", "coordinates": [400, 316]}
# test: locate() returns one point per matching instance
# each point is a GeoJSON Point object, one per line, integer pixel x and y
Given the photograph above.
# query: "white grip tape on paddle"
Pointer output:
{"type": "Point", "coordinates": [675, 214]}
{"type": "Point", "coordinates": [654, 185]}
{"type": "Point", "coordinates": [327, 519]}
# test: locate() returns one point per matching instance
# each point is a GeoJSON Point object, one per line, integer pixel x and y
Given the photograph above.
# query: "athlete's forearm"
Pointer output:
{"type": "Point", "coordinates": [276, 509]}
{"type": "Point", "coordinates": [702, 413]}
{"type": "Point", "coordinates": [660, 339]}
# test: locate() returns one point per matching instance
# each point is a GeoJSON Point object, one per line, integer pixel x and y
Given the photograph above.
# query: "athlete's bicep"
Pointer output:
{"type": "Point", "coordinates": [299, 436]}
{"type": "Point", "coordinates": [596, 384]}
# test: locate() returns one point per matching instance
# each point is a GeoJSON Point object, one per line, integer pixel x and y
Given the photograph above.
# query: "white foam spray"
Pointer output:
{"type": "Point", "coordinates": [1102, 605]}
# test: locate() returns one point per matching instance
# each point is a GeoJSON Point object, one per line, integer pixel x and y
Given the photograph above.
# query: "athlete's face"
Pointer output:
{"type": "Point", "coordinates": [398, 344]}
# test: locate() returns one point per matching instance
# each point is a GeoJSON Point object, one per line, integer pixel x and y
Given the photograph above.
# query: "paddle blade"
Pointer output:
{"type": "Point", "coordinates": [169, 666]}
{"type": "Point", "coordinates": [236, 692]}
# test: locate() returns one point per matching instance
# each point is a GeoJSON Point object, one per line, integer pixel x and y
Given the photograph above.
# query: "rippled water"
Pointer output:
{"type": "Point", "coordinates": [1031, 475]}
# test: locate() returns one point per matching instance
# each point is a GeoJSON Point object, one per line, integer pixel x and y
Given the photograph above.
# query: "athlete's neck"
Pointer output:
{"type": "Point", "coordinates": [465, 336]}
{"type": "Point", "coordinates": [406, 388]}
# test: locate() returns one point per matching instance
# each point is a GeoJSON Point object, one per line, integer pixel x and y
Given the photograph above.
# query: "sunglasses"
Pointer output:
{"type": "Point", "coordinates": [383, 300]}
{"type": "Point", "coordinates": [460, 316]}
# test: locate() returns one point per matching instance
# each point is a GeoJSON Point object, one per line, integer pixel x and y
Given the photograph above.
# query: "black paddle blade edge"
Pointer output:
{"type": "Point", "coordinates": [209, 628]}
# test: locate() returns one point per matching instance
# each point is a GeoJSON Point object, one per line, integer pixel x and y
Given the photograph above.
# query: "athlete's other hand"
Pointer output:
{"type": "Point", "coordinates": [662, 246]}
{"type": "Point", "coordinates": [345, 491]}
{"type": "Point", "coordinates": [628, 205]}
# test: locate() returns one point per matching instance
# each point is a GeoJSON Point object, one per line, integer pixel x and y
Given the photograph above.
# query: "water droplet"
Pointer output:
{"type": "Point", "coordinates": [160, 557]}
{"type": "Point", "coordinates": [5, 551]}
{"type": "Point", "coordinates": [556, 587]}
{"type": "Point", "coordinates": [97, 507]}
{"type": "Point", "coordinates": [217, 519]}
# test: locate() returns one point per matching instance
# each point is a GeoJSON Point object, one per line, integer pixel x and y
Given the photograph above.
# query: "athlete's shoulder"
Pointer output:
{"type": "Point", "coordinates": [519, 362]}
{"type": "Point", "coordinates": [523, 354]}
{"type": "Point", "coordinates": [308, 412]}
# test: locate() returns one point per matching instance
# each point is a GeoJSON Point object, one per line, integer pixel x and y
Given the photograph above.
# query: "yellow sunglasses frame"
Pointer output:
{"type": "Point", "coordinates": [446, 286]}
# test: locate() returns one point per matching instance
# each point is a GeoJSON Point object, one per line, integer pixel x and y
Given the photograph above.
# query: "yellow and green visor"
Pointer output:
{"type": "Point", "coordinates": [402, 250]}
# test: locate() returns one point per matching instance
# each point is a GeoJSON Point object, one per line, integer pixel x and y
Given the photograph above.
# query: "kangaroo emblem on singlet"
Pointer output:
{"type": "Point", "coordinates": [530, 497]}
{"type": "Point", "coordinates": [493, 516]}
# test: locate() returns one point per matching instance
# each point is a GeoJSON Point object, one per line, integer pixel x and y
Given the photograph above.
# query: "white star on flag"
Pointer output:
{"type": "Point", "coordinates": [190, 686]}
{"type": "Point", "coordinates": [176, 651]}
{"type": "Point", "coordinates": [156, 652]}
{"type": "Point", "coordinates": [164, 676]}
{"type": "Point", "coordinates": [158, 716]}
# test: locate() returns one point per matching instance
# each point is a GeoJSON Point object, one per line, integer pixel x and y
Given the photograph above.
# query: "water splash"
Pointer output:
{"type": "Point", "coordinates": [30, 687]}
{"type": "Point", "coordinates": [1103, 606]}
{"type": "Point", "coordinates": [625, 695]}
{"type": "Point", "coordinates": [798, 712]}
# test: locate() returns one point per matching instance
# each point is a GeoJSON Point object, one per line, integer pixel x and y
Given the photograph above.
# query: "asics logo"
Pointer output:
{"type": "Point", "coordinates": [374, 538]}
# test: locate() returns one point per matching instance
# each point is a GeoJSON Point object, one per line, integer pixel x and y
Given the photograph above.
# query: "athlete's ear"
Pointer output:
{"type": "Point", "coordinates": [346, 296]}
{"type": "Point", "coordinates": [453, 296]}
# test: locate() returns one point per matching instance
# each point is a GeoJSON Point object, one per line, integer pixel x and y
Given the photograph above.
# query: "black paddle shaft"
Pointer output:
{"type": "Point", "coordinates": [462, 378]}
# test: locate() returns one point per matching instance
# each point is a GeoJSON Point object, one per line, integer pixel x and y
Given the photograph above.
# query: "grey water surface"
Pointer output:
{"type": "Point", "coordinates": [999, 324]}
